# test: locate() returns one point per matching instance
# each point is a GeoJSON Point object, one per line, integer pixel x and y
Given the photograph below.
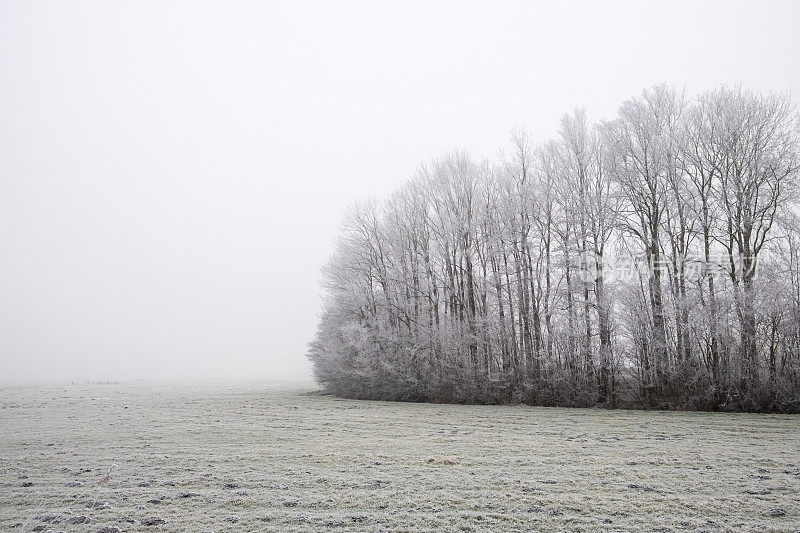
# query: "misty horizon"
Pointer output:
{"type": "Point", "coordinates": [175, 175]}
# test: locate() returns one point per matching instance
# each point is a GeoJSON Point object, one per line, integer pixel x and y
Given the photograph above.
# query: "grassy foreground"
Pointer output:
{"type": "Point", "coordinates": [260, 456]}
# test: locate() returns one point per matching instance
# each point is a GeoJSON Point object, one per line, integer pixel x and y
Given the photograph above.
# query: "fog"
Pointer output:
{"type": "Point", "coordinates": [172, 175]}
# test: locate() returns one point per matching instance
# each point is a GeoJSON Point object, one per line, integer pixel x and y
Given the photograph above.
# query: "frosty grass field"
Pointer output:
{"type": "Point", "coordinates": [277, 457]}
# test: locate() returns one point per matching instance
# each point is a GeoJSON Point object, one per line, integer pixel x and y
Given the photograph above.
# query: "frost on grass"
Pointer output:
{"type": "Point", "coordinates": [261, 457]}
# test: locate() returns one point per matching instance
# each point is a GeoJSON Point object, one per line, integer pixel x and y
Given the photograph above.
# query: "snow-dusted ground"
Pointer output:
{"type": "Point", "coordinates": [259, 456]}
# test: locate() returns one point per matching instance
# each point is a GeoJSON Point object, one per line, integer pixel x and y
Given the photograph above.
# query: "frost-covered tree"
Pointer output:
{"type": "Point", "coordinates": [501, 281]}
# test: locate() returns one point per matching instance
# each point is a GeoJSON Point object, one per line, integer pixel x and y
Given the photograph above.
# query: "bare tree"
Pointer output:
{"type": "Point", "coordinates": [495, 282]}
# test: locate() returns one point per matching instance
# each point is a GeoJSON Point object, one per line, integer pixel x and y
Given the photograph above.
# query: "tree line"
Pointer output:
{"type": "Point", "coordinates": [648, 261]}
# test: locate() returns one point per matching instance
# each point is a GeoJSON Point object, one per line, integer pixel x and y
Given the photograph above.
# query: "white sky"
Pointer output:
{"type": "Point", "coordinates": [172, 174]}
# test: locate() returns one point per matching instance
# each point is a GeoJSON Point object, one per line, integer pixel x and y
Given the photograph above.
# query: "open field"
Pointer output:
{"type": "Point", "coordinates": [259, 456]}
